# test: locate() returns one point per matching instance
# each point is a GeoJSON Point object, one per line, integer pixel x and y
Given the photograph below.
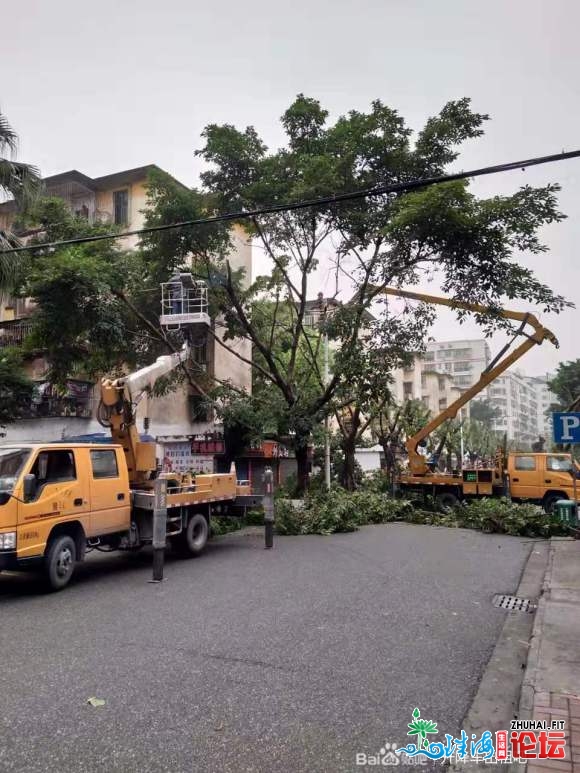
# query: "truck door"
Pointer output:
{"type": "Point", "coordinates": [557, 476]}
{"type": "Point", "coordinates": [61, 495]}
{"type": "Point", "coordinates": [525, 476]}
{"type": "Point", "coordinates": [109, 486]}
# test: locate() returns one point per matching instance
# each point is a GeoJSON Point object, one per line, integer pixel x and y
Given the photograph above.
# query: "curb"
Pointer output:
{"type": "Point", "coordinates": [526, 705]}
{"type": "Point", "coordinates": [498, 698]}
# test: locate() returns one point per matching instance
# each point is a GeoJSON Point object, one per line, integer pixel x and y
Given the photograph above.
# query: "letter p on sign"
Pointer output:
{"type": "Point", "coordinates": [566, 427]}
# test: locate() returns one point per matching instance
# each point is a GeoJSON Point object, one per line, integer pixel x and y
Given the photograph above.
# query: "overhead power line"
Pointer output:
{"type": "Point", "coordinates": [380, 190]}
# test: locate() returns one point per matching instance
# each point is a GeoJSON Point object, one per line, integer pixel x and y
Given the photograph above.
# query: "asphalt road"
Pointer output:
{"type": "Point", "coordinates": [294, 659]}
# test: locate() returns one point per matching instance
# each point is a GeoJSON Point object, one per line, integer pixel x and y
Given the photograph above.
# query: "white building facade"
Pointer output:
{"type": "Point", "coordinates": [463, 359]}
{"type": "Point", "coordinates": [524, 403]}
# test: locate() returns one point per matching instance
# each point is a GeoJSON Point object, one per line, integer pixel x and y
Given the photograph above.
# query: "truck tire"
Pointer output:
{"type": "Point", "coordinates": [59, 561]}
{"type": "Point", "coordinates": [550, 500]}
{"type": "Point", "coordinates": [447, 500]}
{"type": "Point", "coordinates": [194, 538]}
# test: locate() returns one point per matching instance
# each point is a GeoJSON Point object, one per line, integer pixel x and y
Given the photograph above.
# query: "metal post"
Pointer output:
{"type": "Point", "coordinates": [269, 508]}
{"type": "Point", "coordinates": [461, 436]}
{"type": "Point", "coordinates": [326, 421]}
{"type": "Point", "coordinates": [159, 528]}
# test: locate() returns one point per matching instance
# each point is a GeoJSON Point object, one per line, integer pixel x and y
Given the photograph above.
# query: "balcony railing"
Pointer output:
{"type": "Point", "coordinates": [59, 407]}
{"type": "Point", "coordinates": [14, 333]}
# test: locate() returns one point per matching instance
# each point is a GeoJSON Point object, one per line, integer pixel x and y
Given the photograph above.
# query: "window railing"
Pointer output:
{"type": "Point", "coordinates": [14, 332]}
{"type": "Point", "coordinates": [59, 407]}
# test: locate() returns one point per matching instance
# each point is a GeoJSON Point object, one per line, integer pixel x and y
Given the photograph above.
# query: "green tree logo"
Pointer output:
{"type": "Point", "coordinates": [420, 728]}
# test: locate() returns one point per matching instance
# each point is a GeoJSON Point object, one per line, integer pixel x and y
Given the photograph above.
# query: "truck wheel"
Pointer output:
{"type": "Point", "coordinates": [447, 500]}
{"type": "Point", "coordinates": [196, 535]}
{"type": "Point", "coordinates": [60, 561]}
{"type": "Point", "coordinates": [550, 501]}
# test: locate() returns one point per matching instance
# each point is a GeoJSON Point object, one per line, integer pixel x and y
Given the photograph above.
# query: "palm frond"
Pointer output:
{"type": "Point", "coordinates": [8, 137]}
{"type": "Point", "coordinates": [21, 181]}
{"type": "Point", "coordinates": [10, 264]}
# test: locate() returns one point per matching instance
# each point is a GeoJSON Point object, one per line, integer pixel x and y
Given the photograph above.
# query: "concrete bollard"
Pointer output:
{"type": "Point", "coordinates": [269, 508]}
{"type": "Point", "coordinates": [159, 528]}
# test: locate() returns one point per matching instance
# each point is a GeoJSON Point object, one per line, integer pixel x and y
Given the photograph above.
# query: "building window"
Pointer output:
{"type": "Point", "coordinates": [199, 355]}
{"type": "Point", "coordinates": [199, 410]}
{"type": "Point", "coordinates": [121, 207]}
{"type": "Point", "coordinates": [408, 389]}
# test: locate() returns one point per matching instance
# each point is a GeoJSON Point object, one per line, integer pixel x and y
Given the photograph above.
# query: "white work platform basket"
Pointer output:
{"type": "Point", "coordinates": [184, 303]}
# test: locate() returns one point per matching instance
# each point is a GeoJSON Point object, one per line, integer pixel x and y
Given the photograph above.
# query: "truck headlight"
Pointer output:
{"type": "Point", "coordinates": [8, 540]}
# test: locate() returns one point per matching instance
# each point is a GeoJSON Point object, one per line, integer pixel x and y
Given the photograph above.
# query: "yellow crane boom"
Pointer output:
{"type": "Point", "coordinates": [417, 464]}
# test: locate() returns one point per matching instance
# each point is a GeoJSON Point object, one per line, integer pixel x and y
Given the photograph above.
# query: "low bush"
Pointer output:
{"type": "Point", "coordinates": [501, 516]}
{"type": "Point", "coordinates": [219, 526]}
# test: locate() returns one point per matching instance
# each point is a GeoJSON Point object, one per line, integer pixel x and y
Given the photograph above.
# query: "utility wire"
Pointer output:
{"type": "Point", "coordinates": [380, 190]}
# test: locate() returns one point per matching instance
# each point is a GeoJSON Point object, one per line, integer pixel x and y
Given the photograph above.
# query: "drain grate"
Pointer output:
{"type": "Point", "coordinates": [514, 603]}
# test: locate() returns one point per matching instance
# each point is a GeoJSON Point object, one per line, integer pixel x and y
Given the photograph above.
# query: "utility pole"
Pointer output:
{"type": "Point", "coordinates": [326, 418]}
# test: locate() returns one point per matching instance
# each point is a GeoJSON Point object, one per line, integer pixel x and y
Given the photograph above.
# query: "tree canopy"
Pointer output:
{"type": "Point", "coordinates": [566, 384]}
{"type": "Point", "coordinates": [470, 245]}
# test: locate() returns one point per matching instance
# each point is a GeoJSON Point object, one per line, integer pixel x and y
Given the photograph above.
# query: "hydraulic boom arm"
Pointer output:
{"type": "Point", "coordinates": [418, 465]}
{"type": "Point", "coordinates": [119, 396]}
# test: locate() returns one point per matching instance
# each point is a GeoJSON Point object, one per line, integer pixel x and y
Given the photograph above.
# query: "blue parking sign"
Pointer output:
{"type": "Point", "coordinates": [566, 427]}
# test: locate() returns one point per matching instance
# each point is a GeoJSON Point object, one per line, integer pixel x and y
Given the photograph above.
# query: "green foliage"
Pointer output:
{"type": "Point", "coordinates": [341, 511]}
{"type": "Point", "coordinates": [95, 295]}
{"type": "Point", "coordinates": [504, 517]}
{"type": "Point", "coordinates": [21, 182]}
{"type": "Point", "coordinates": [338, 511]}
{"type": "Point", "coordinates": [483, 411]}
{"type": "Point", "coordinates": [16, 388]}
{"type": "Point", "coordinates": [219, 526]}
{"type": "Point", "coordinates": [566, 384]}
{"type": "Point", "coordinates": [72, 291]}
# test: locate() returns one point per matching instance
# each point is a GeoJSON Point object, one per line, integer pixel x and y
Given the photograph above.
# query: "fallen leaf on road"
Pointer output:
{"type": "Point", "coordinates": [96, 702]}
{"type": "Point", "coordinates": [219, 727]}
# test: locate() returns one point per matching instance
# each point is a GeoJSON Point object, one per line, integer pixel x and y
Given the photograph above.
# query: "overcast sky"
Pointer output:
{"type": "Point", "coordinates": [107, 86]}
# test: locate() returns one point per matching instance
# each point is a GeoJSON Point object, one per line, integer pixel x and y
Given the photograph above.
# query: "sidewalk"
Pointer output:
{"type": "Point", "coordinates": [551, 686]}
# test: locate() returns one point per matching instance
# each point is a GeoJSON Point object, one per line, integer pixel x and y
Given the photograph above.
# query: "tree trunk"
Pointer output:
{"type": "Point", "coordinates": [302, 467]}
{"type": "Point", "coordinates": [348, 471]}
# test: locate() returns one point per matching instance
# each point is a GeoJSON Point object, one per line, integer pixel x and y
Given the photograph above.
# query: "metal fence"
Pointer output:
{"type": "Point", "coordinates": [14, 333]}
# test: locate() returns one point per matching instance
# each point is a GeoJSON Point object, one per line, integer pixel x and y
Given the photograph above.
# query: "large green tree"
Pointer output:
{"type": "Point", "coordinates": [566, 385]}
{"type": "Point", "coordinates": [468, 244]}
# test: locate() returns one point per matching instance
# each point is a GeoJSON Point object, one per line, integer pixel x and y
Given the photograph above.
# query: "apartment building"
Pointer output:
{"type": "Point", "coordinates": [524, 403]}
{"type": "Point", "coordinates": [463, 359]}
{"type": "Point", "coordinates": [421, 381]}
{"type": "Point", "coordinates": [120, 199]}
{"type": "Point", "coordinates": [545, 398]}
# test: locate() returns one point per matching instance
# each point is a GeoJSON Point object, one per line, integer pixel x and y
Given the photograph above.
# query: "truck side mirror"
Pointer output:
{"type": "Point", "coordinates": [29, 487]}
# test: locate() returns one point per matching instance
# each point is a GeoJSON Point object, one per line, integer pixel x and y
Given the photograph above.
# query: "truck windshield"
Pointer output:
{"type": "Point", "coordinates": [11, 463]}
